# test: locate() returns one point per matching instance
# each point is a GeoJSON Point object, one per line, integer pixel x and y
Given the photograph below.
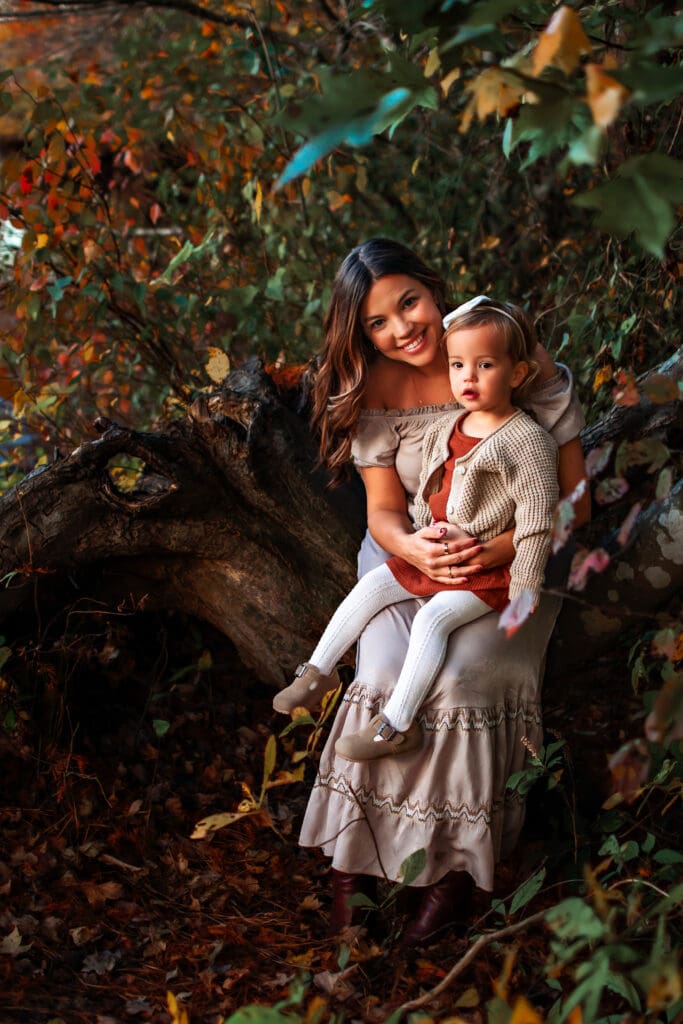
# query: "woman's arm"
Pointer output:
{"type": "Point", "coordinates": [390, 526]}
{"type": "Point", "coordinates": [546, 367]}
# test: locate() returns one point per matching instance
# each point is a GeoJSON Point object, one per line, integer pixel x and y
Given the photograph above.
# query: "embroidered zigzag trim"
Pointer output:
{"type": "Point", "coordinates": [465, 719]}
{"type": "Point", "coordinates": [406, 808]}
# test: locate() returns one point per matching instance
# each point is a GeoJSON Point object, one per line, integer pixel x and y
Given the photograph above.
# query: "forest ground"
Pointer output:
{"type": "Point", "coordinates": [108, 904]}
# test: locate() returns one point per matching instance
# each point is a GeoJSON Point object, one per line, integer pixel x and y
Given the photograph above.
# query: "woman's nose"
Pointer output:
{"type": "Point", "coordinates": [402, 326]}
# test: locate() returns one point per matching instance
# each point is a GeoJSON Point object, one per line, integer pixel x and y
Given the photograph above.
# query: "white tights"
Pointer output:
{"type": "Point", "coordinates": [435, 621]}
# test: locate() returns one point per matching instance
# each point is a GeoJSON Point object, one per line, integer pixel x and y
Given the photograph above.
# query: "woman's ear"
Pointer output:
{"type": "Point", "coordinates": [520, 373]}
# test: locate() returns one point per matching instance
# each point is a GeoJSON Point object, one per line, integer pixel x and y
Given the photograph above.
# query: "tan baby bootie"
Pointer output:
{"type": "Point", "coordinates": [378, 739]}
{"type": "Point", "coordinates": [307, 690]}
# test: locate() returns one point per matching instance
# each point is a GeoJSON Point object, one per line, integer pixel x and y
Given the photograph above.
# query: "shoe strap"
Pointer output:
{"type": "Point", "coordinates": [300, 669]}
{"type": "Point", "coordinates": [380, 731]}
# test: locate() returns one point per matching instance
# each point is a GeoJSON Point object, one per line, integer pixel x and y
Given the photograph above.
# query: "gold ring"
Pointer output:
{"type": "Point", "coordinates": [450, 571]}
{"type": "Point", "coordinates": [445, 547]}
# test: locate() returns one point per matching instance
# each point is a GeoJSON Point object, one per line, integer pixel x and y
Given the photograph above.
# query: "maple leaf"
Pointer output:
{"type": "Point", "coordinates": [561, 43]}
{"type": "Point", "coordinates": [493, 91]}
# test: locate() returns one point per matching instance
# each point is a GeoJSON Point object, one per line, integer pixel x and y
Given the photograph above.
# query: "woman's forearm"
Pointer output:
{"type": "Point", "coordinates": [392, 530]}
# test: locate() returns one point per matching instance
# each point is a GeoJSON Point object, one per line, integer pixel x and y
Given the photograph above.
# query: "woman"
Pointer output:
{"type": "Point", "coordinates": [382, 382]}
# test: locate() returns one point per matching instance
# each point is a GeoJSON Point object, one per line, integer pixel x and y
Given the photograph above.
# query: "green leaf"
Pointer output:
{"type": "Point", "coordinates": [188, 253]}
{"type": "Point", "coordinates": [412, 866]}
{"type": "Point", "coordinates": [640, 199]}
{"type": "Point", "coordinates": [269, 758]}
{"type": "Point", "coordinates": [650, 82]}
{"type": "Point", "coordinates": [359, 899]}
{"type": "Point", "coordinates": [527, 891]}
{"type": "Point", "coordinates": [5, 653]}
{"type": "Point", "coordinates": [160, 726]}
{"type": "Point", "coordinates": [354, 108]}
{"type": "Point", "coordinates": [668, 857]}
{"type": "Point", "coordinates": [574, 918]}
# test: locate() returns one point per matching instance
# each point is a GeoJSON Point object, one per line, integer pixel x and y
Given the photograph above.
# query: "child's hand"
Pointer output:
{"type": "Point", "coordinates": [447, 531]}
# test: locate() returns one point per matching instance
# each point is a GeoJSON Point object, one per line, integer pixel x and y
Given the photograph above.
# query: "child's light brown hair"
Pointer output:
{"type": "Point", "coordinates": [513, 324]}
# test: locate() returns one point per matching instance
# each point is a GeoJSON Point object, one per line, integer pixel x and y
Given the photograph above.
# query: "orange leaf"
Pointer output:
{"type": "Point", "coordinates": [605, 96]}
{"type": "Point", "coordinates": [494, 91]}
{"type": "Point", "coordinates": [154, 212]}
{"type": "Point", "coordinates": [524, 1013]}
{"type": "Point", "coordinates": [603, 375]}
{"type": "Point", "coordinates": [562, 42]}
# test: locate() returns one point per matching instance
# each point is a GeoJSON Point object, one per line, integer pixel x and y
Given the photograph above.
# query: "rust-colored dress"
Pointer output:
{"type": "Point", "coordinates": [492, 586]}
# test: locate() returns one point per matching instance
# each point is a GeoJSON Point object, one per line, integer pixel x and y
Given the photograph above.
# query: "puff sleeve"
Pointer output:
{"type": "Point", "coordinates": [555, 407]}
{"type": "Point", "coordinates": [376, 441]}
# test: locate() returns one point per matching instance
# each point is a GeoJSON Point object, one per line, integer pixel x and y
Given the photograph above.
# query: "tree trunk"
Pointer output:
{"type": "Point", "coordinates": [232, 522]}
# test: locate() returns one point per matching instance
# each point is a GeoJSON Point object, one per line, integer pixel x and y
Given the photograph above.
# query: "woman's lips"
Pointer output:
{"type": "Point", "coordinates": [415, 344]}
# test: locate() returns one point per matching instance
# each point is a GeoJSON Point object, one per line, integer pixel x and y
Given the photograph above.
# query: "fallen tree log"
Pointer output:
{"type": "Point", "coordinates": [231, 522]}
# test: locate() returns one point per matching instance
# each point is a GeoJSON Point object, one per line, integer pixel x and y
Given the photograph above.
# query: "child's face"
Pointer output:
{"type": "Point", "coordinates": [482, 374]}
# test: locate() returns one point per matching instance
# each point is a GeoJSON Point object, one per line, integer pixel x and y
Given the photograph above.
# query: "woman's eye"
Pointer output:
{"type": "Point", "coordinates": [410, 301]}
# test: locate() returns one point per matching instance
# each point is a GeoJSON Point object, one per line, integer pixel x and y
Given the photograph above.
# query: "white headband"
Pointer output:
{"type": "Point", "coordinates": [472, 304]}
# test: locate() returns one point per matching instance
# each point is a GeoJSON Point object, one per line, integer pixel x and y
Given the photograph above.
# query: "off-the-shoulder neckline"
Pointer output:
{"type": "Point", "coordinates": [417, 410]}
{"type": "Point", "coordinates": [422, 410]}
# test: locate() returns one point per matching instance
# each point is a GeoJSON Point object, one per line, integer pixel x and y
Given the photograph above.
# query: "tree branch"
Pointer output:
{"type": "Point", "coordinates": [470, 955]}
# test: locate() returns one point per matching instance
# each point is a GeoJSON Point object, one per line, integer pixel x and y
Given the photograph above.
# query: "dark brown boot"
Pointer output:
{"type": "Point", "coordinates": [445, 903]}
{"type": "Point", "coordinates": [344, 886]}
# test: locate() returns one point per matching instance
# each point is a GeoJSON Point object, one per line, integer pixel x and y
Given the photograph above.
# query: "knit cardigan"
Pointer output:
{"type": "Point", "coordinates": [509, 477]}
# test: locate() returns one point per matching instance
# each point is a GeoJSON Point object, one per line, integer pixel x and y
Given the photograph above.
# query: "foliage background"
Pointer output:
{"type": "Point", "coordinates": [140, 162]}
{"type": "Point", "coordinates": [178, 183]}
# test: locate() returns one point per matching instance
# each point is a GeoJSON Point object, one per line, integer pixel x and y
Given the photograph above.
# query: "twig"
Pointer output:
{"type": "Point", "coordinates": [470, 955]}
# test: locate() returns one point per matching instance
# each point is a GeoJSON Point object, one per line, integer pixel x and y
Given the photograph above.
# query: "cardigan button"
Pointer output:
{"type": "Point", "coordinates": [461, 470]}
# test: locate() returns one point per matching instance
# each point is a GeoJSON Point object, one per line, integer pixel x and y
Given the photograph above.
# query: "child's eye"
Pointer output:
{"type": "Point", "coordinates": [456, 364]}
{"type": "Point", "coordinates": [485, 365]}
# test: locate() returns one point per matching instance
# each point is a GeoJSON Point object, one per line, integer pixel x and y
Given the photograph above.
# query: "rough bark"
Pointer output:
{"type": "Point", "coordinates": [232, 522]}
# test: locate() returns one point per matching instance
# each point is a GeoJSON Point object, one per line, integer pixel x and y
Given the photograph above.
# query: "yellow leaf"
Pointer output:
{"type": "Point", "coordinates": [490, 242]}
{"type": "Point", "coordinates": [41, 241]}
{"type": "Point", "coordinates": [205, 661]}
{"type": "Point", "coordinates": [562, 42]}
{"type": "Point", "coordinates": [603, 376]}
{"type": "Point", "coordinates": [218, 366]}
{"type": "Point", "coordinates": [524, 1013]}
{"type": "Point", "coordinates": [447, 82]}
{"type": "Point", "coordinates": [605, 96]}
{"type": "Point", "coordinates": [179, 1014]}
{"type": "Point", "coordinates": [258, 202]}
{"type": "Point", "coordinates": [22, 403]}
{"type": "Point", "coordinates": [433, 63]}
{"type": "Point", "coordinates": [416, 164]}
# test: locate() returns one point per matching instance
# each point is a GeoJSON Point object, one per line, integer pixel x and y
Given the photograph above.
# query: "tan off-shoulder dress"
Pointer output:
{"type": "Point", "coordinates": [449, 798]}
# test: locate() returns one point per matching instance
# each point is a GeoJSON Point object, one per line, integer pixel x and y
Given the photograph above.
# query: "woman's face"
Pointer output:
{"type": "Point", "coordinates": [401, 319]}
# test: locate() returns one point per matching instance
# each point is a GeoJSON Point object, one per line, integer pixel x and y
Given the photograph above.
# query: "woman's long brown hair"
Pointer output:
{"type": "Point", "coordinates": [347, 353]}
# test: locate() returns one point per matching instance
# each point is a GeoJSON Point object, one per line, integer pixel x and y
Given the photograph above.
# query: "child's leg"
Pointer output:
{"type": "Point", "coordinates": [429, 634]}
{"type": "Point", "coordinates": [373, 592]}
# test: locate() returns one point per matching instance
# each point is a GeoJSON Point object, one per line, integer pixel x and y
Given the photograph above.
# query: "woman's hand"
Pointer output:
{"type": "Point", "coordinates": [444, 553]}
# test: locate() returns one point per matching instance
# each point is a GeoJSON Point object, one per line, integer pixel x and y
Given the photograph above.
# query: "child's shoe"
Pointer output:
{"type": "Point", "coordinates": [378, 739]}
{"type": "Point", "coordinates": [307, 690]}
